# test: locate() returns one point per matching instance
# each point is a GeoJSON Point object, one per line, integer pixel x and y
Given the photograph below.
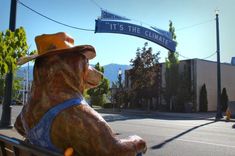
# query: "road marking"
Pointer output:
{"type": "Point", "coordinates": [208, 143]}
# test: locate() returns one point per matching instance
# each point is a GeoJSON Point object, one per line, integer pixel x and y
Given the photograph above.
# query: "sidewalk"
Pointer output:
{"type": "Point", "coordinates": [152, 114]}
{"type": "Point", "coordinates": [166, 115]}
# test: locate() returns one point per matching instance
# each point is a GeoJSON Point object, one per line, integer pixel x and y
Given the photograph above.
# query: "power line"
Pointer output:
{"type": "Point", "coordinates": [194, 25]}
{"type": "Point", "coordinates": [209, 56]}
{"type": "Point", "coordinates": [187, 27]}
{"type": "Point", "coordinates": [53, 19]}
{"type": "Point", "coordinates": [183, 56]}
{"type": "Point", "coordinates": [199, 58]}
{"type": "Point", "coordinates": [141, 22]}
{"type": "Point", "coordinates": [96, 4]}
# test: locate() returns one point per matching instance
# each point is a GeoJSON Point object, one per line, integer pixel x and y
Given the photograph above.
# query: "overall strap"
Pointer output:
{"type": "Point", "coordinates": [40, 134]}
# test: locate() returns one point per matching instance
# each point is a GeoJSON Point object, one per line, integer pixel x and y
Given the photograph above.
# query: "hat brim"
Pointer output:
{"type": "Point", "coordinates": [87, 50]}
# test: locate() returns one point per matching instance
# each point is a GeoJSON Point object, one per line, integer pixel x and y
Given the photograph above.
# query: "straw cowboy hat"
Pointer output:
{"type": "Point", "coordinates": [53, 44]}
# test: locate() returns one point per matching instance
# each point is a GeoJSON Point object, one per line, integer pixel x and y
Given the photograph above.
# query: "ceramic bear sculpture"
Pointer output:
{"type": "Point", "coordinates": [56, 116]}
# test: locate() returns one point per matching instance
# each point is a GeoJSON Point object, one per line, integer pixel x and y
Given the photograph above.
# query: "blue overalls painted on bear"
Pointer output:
{"type": "Point", "coordinates": [40, 134]}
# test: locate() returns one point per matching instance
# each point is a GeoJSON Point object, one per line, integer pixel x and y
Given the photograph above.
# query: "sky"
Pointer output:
{"type": "Point", "coordinates": [194, 21]}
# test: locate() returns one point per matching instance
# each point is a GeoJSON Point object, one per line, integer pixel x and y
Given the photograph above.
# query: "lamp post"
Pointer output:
{"type": "Point", "coordinates": [119, 88]}
{"type": "Point", "coordinates": [6, 108]}
{"type": "Point", "coordinates": [120, 78]}
{"type": "Point", "coordinates": [218, 113]}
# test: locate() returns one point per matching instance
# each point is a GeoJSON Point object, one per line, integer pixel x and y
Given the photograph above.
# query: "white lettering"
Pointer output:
{"type": "Point", "coordinates": [146, 33]}
{"type": "Point", "coordinates": [156, 37]}
{"type": "Point", "coordinates": [133, 29]}
{"type": "Point", "coordinates": [113, 26]}
{"type": "Point", "coordinates": [121, 27]}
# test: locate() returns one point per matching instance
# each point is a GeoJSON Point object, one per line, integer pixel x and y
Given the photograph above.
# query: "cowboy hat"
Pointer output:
{"type": "Point", "coordinates": [52, 44]}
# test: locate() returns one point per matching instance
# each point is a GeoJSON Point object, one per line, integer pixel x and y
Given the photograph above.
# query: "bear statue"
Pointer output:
{"type": "Point", "coordinates": [56, 116]}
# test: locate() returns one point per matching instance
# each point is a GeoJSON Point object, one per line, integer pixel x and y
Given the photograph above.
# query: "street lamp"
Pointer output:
{"type": "Point", "coordinates": [119, 71]}
{"type": "Point", "coordinates": [218, 113]}
{"type": "Point", "coordinates": [120, 77]}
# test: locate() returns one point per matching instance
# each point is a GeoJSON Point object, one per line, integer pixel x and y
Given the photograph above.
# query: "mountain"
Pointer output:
{"type": "Point", "coordinates": [22, 72]}
{"type": "Point", "coordinates": [110, 71]}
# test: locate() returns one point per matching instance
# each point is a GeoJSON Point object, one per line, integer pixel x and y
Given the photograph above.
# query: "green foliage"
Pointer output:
{"type": "Point", "coordinates": [143, 68]}
{"type": "Point", "coordinates": [2, 85]}
{"type": "Point", "coordinates": [97, 94]}
{"type": "Point", "coordinates": [172, 30]}
{"type": "Point", "coordinates": [143, 73]}
{"type": "Point", "coordinates": [108, 105]}
{"type": "Point", "coordinates": [172, 73]}
{"type": "Point", "coordinates": [224, 100]}
{"type": "Point", "coordinates": [203, 103]}
{"type": "Point", "coordinates": [98, 100]}
{"type": "Point", "coordinates": [16, 86]}
{"type": "Point", "coordinates": [13, 45]}
{"type": "Point", "coordinates": [118, 96]}
{"type": "Point", "coordinates": [184, 93]}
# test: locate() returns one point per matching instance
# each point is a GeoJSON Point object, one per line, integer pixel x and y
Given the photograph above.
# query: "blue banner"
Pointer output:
{"type": "Point", "coordinates": [110, 16]}
{"type": "Point", "coordinates": [134, 30]}
{"type": "Point", "coordinates": [163, 32]}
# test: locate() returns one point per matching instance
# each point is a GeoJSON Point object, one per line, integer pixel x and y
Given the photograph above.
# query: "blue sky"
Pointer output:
{"type": "Point", "coordinates": [194, 21]}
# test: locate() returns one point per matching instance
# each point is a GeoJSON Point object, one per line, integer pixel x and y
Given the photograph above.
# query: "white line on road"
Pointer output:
{"type": "Point", "coordinates": [208, 143]}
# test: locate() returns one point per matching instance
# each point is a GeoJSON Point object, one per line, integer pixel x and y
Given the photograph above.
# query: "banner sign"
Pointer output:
{"type": "Point", "coordinates": [110, 16]}
{"type": "Point", "coordinates": [163, 32]}
{"type": "Point", "coordinates": [103, 26]}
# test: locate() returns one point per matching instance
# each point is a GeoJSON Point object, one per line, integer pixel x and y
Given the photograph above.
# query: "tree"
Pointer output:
{"type": "Point", "coordinates": [224, 100]}
{"type": "Point", "coordinates": [171, 74]}
{"type": "Point", "coordinates": [203, 103]}
{"type": "Point", "coordinates": [184, 93]}
{"type": "Point", "coordinates": [13, 45]}
{"type": "Point", "coordinates": [97, 94]}
{"type": "Point", "coordinates": [143, 73]}
{"type": "Point", "coordinates": [1, 86]}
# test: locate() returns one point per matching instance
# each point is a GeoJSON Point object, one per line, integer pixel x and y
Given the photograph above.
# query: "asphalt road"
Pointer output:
{"type": "Point", "coordinates": [168, 136]}
{"type": "Point", "coordinates": [173, 135]}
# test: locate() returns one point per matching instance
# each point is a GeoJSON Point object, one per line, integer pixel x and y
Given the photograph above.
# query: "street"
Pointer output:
{"type": "Point", "coordinates": [179, 137]}
{"type": "Point", "coordinates": [172, 135]}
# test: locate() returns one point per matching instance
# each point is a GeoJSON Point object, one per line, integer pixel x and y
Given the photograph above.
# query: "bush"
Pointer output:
{"type": "Point", "coordinates": [203, 102]}
{"type": "Point", "coordinates": [224, 100]}
{"type": "Point", "coordinates": [98, 100]}
{"type": "Point", "coordinates": [108, 105]}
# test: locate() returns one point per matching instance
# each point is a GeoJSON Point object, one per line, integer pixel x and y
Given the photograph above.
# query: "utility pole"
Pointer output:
{"type": "Point", "coordinates": [6, 108]}
{"type": "Point", "coordinates": [218, 113]}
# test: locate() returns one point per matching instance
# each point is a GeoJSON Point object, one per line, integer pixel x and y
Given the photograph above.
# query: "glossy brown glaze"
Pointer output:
{"type": "Point", "coordinates": [61, 77]}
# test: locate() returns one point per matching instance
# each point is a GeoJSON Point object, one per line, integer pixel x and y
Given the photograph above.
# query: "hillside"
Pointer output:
{"type": "Point", "coordinates": [110, 71]}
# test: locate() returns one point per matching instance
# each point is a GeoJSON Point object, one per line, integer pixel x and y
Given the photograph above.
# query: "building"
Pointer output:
{"type": "Point", "coordinates": [233, 61]}
{"type": "Point", "coordinates": [200, 72]}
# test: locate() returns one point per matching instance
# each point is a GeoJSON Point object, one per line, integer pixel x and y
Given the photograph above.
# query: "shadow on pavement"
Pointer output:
{"type": "Point", "coordinates": [158, 146]}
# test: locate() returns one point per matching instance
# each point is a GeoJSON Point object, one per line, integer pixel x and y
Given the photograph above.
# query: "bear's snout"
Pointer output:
{"type": "Point", "coordinates": [93, 77]}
